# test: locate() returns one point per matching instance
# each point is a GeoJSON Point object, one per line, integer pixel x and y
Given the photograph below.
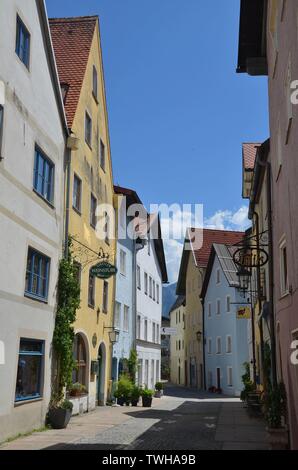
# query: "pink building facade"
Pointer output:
{"type": "Point", "coordinates": [268, 45]}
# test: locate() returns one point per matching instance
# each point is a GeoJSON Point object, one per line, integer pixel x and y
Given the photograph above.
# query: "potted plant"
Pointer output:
{"type": "Point", "coordinates": [120, 399]}
{"type": "Point", "coordinates": [60, 414]}
{"type": "Point", "coordinates": [135, 395]}
{"type": "Point", "coordinates": [147, 398]}
{"type": "Point", "coordinates": [248, 385]}
{"type": "Point", "coordinates": [158, 390]}
{"type": "Point", "coordinates": [123, 391]}
{"type": "Point", "coordinates": [77, 389]}
{"type": "Point", "coordinates": [275, 406]}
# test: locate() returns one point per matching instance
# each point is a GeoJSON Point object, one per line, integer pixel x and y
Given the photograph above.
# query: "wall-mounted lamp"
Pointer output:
{"type": "Point", "coordinates": [113, 334]}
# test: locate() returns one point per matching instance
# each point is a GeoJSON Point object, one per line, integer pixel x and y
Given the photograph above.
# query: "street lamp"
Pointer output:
{"type": "Point", "coordinates": [113, 334]}
{"type": "Point", "coordinates": [244, 279]}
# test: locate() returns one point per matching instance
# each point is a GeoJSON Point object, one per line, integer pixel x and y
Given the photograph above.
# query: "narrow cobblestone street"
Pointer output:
{"type": "Point", "coordinates": [182, 419]}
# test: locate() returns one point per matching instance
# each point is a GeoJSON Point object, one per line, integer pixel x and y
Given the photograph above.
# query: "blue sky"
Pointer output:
{"type": "Point", "coordinates": [178, 112]}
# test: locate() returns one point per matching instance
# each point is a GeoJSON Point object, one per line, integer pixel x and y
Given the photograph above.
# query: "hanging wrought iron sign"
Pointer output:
{"type": "Point", "coordinates": [103, 270]}
{"type": "Point", "coordinates": [251, 257]}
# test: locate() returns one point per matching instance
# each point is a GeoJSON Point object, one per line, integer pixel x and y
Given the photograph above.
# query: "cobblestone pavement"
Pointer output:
{"type": "Point", "coordinates": [182, 420]}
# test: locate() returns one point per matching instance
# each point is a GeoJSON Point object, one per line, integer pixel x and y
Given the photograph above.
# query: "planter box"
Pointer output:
{"type": "Point", "coordinates": [80, 404]}
{"type": "Point", "coordinates": [158, 393]}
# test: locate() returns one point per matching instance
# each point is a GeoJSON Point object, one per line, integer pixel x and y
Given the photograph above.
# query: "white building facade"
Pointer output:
{"type": "Point", "coordinates": [32, 150]}
{"type": "Point", "coordinates": [150, 275]}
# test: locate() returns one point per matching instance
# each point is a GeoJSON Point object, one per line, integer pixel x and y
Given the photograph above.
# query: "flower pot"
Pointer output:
{"type": "Point", "coordinates": [127, 402]}
{"type": "Point", "coordinates": [147, 402]}
{"type": "Point", "coordinates": [134, 402]}
{"type": "Point", "coordinates": [278, 438]}
{"type": "Point", "coordinates": [121, 401]}
{"type": "Point", "coordinates": [158, 393]}
{"type": "Point", "coordinates": [59, 417]}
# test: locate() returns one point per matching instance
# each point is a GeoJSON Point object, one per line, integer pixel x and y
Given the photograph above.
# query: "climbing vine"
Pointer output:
{"type": "Point", "coordinates": [133, 364]}
{"type": "Point", "coordinates": [67, 304]}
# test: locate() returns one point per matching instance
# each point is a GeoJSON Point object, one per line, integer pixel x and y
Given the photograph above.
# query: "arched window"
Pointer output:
{"type": "Point", "coordinates": [80, 357]}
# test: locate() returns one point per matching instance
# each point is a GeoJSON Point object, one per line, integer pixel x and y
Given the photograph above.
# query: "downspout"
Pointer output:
{"type": "Point", "coordinates": [259, 287]}
{"type": "Point", "coordinates": [134, 296]}
{"type": "Point", "coordinates": [271, 277]}
{"type": "Point", "coordinates": [67, 200]}
{"type": "Point", "coordinates": [203, 339]}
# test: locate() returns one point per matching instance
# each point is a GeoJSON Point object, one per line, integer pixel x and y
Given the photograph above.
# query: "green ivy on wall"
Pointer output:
{"type": "Point", "coordinates": [67, 304]}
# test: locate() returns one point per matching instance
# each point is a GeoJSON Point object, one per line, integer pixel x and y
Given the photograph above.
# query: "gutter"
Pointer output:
{"type": "Point", "coordinates": [271, 277]}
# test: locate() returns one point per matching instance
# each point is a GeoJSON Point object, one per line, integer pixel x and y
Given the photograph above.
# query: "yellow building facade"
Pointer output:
{"type": "Point", "coordinates": [91, 225]}
{"type": "Point", "coordinates": [190, 281]}
{"type": "Point", "coordinates": [177, 360]}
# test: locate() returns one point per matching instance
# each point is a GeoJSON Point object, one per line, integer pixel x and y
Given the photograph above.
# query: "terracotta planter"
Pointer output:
{"type": "Point", "coordinates": [59, 418]}
{"type": "Point", "coordinates": [278, 438]}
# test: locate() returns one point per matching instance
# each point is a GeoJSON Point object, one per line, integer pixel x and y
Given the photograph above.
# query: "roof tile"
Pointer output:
{"type": "Point", "coordinates": [249, 151]}
{"type": "Point", "coordinates": [204, 238]}
{"type": "Point", "coordinates": [72, 39]}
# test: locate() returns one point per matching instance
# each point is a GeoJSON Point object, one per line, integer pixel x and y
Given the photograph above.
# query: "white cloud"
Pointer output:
{"type": "Point", "coordinates": [173, 252]}
{"type": "Point", "coordinates": [228, 220]}
{"type": "Point", "coordinates": [177, 223]}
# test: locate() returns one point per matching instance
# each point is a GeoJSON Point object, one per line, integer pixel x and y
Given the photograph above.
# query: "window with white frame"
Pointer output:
{"type": "Point", "coordinates": [218, 276]}
{"type": "Point", "coordinates": [230, 377]}
{"type": "Point", "coordinates": [123, 263]}
{"type": "Point", "coordinates": [157, 293]}
{"type": "Point", "coordinates": [94, 83]}
{"type": "Point", "coordinates": [153, 332]}
{"type": "Point", "coordinates": [153, 288]}
{"type": "Point", "coordinates": [209, 346]}
{"type": "Point", "coordinates": [77, 193]}
{"type": "Point", "coordinates": [88, 129]}
{"type": "Point", "coordinates": [229, 344]}
{"type": "Point", "coordinates": [218, 345]}
{"type": "Point", "coordinates": [117, 315]}
{"type": "Point", "coordinates": [284, 285]}
{"type": "Point", "coordinates": [218, 307]}
{"type": "Point", "coordinates": [157, 334]}
{"type": "Point", "coordinates": [228, 306]}
{"type": "Point", "coordinates": [139, 277]}
{"type": "Point", "coordinates": [209, 310]}
{"type": "Point", "coordinates": [126, 318]}
{"type": "Point", "coordinates": [150, 287]}
{"type": "Point", "coordinates": [139, 327]}
{"type": "Point", "coordinates": [146, 330]}
{"type": "Point", "coordinates": [146, 283]}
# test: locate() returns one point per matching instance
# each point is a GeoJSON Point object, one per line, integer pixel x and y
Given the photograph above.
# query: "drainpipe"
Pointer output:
{"type": "Point", "coordinates": [271, 277]}
{"type": "Point", "coordinates": [67, 199]}
{"type": "Point", "coordinates": [72, 145]}
{"type": "Point", "coordinates": [134, 295]}
{"type": "Point", "coordinates": [259, 287]}
{"type": "Point", "coordinates": [203, 339]}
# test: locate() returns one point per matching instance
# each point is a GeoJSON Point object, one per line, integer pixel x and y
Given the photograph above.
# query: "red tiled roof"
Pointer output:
{"type": "Point", "coordinates": [210, 236]}
{"type": "Point", "coordinates": [249, 151]}
{"type": "Point", "coordinates": [72, 39]}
